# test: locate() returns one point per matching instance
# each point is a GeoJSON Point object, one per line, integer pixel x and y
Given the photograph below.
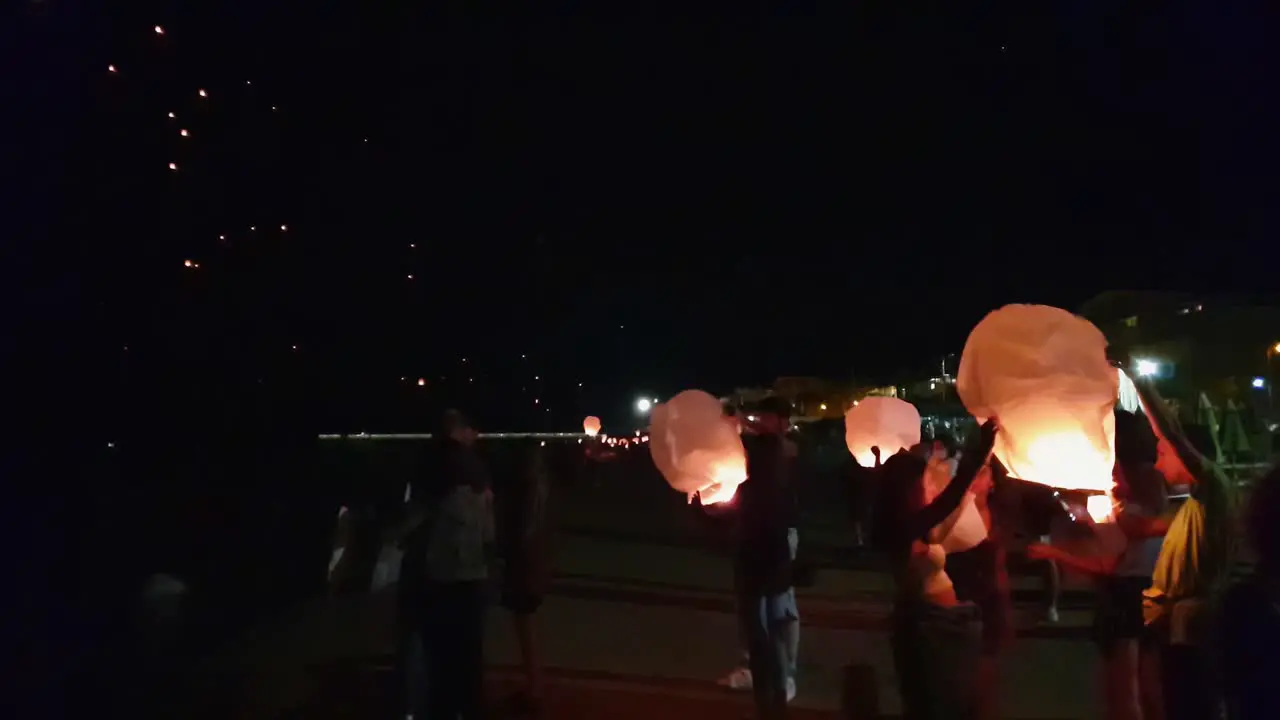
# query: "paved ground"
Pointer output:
{"type": "Point", "coordinates": [640, 622]}
{"type": "Point", "coordinates": [647, 628]}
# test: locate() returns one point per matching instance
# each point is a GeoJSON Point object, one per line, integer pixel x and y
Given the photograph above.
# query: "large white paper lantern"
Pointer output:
{"type": "Point", "coordinates": [696, 448]}
{"type": "Point", "coordinates": [882, 422]}
{"type": "Point", "coordinates": [1044, 373]}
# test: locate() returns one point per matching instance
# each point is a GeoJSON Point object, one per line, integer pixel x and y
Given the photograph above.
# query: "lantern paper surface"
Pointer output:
{"type": "Point", "coordinates": [591, 426]}
{"type": "Point", "coordinates": [887, 423]}
{"type": "Point", "coordinates": [1044, 373]}
{"type": "Point", "coordinates": [968, 529]}
{"type": "Point", "coordinates": [696, 448]}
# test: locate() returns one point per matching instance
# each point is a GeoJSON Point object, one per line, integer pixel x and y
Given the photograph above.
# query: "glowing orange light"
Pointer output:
{"type": "Point", "coordinates": [591, 426]}
{"type": "Point", "coordinates": [183, 132]}
{"type": "Point", "coordinates": [1100, 507]}
{"type": "Point", "coordinates": [159, 30]}
{"type": "Point", "coordinates": [203, 93]}
{"type": "Point", "coordinates": [173, 166]}
{"type": "Point", "coordinates": [422, 382]}
{"type": "Point", "coordinates": [188, 263]}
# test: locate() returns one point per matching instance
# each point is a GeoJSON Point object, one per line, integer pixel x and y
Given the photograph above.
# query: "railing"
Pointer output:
{"type": "Point", "coordinates": [428, 436]}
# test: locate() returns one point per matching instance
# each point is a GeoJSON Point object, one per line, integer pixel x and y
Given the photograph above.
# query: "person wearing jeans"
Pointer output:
{"type": "Point", "coordinates": [787, 612]}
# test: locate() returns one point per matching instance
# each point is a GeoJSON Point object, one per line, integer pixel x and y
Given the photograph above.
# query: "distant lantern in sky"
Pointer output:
{"type": "Point", "coordinates": [183, 132]}
{"type": "Point", "coordinates": [411, 277]}
{"type": "Point", "coordinates": [171, 115]}
{"type": "Point", "coordinates": [203, 93]}
{"type": "Point", "coordinates": [222, 237]}
{"type": "Point", "coordinates": [252, 228]}
{"type": "Point", "coordinates": [173, 166]}
{"type": "Point", "coordinates": [422, 382]}
{"type": "Point", "coordinates": [273, 108]}
{"type": "Point", "coordinates": [159, 30]}
{"type": "Point", "coordinates": [111, 68]}
{"type": "Point", "coordinates": [188, 263]}
{"type": "Point", "coordinates": [248, 82]}
{"type": "Point", "coordinates": [283, 228]}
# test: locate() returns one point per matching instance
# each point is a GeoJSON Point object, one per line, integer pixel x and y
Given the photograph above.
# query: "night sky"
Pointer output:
{"type": "Point", "coordinates": [634, 201]}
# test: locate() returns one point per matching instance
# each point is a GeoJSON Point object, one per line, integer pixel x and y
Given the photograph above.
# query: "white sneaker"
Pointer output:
{"type": "Point", "coordinates": [1051, 616]}
{"type": "Point", "coordinates": [737, 679]}
{"type": "Point", "coordinates": [791, 689]}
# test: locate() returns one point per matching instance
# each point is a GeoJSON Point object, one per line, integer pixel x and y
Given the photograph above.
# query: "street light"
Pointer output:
{"type": "Point", "coordinates": [1147, 368]}
{"type": "Point", "coordinates": [644, 405]}
{"type": "Point", "coordinates": [1259, 383]}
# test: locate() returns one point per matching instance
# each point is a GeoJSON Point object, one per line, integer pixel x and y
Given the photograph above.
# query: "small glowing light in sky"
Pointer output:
{"type": "Point", "coordinates": [188, 263]}
{"type": "Point", "coordinates": [111, 68]}
{"type": "Point", "coordinates": [159, 30]}
{"type": "Point", "coordinates": [421, 382]}
{"type": "Point", "coordinates": [1146, 368]}
{"type": "Point", "coordinates": [183, 132]}
{"type": "Point", "coordinates": [222, 237]}
{"type": "Point", "coordinates": [171, 115]}
{"type": "Point", "coordinates": [535, 401]}
{"type": "Point", "coordinates": [248, 82]}
{"type": "Point", "coordinates": [535, 377]}
{"type": "Point", "coordinates": [411, 277]}
{"type": "Point", "coordinates": [579, 384]}
{"type": "Point", "coordinates": [252, 228]}
{"type": "Point", "coordinates": [203, 93]}
{"type": "Point", "coordinates": [644, 405]}
{"type": "Point", "coordinates": [173, 166]}
{"type": "Point", "coordinates": [366, 139]}
{"type": "Point", "coordinates": [295, 347]}
{"type": "Point", "coordinates": [283, 228]}
{"type": "Point", "coordinates": [412, 246]}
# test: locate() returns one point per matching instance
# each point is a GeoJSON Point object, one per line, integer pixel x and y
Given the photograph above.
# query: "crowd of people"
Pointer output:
{"type": "Point", "coordinates": [1166, 645]}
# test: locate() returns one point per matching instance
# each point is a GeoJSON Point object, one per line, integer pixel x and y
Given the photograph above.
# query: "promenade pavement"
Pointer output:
{"type": "Point", "coordinates": [641, 626]}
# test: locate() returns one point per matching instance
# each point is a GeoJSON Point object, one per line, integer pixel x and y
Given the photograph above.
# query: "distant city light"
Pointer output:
{"type": "Point", "coordinates": [644, 405]}
{"type": "Point", "coordinates": [1259, 383]}
{"type": "Point", "coordinates": [1147, 368]}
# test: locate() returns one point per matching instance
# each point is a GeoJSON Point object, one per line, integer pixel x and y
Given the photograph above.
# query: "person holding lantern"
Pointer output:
{"type": "Point", "coordinates": [765, 519]}
{"type": "Point", "coordinates": [936, 638]}
{"type": "Point", "coordinates": [1131, 672]}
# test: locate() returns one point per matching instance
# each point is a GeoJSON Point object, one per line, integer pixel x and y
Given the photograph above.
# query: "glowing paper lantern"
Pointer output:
{"type": "Point", "coordinates": [696, 448]}
{"type": "Point", "coordinates": [1044, 373]}
{"type": "Point", "coordinates": [591, 426]}
{"type": "Point", "coordinates": [967, 528]}
{"type": "Point", "coordinates": [883, 422]}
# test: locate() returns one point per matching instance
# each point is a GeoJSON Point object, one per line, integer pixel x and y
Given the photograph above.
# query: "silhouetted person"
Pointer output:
{"type": "Point", "coordinates": [525, 536]}
{"type": "Point", "coordinates": [448, 553]}
{"type": "Point", "coordinates": [1251, 615]}
{"type": "Point", "coordinates": [936, 638]}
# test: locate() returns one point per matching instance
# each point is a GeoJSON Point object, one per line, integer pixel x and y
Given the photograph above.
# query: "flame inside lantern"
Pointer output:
{"type": "Point", "coordinates": [1100, 507]}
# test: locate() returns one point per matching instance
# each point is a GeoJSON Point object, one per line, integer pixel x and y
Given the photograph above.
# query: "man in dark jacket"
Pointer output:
{"type": "Point", "coordinates": [763, 564]}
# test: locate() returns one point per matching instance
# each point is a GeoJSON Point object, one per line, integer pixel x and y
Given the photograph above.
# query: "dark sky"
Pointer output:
{"type": "Point", "coordinates": [636, 201]}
